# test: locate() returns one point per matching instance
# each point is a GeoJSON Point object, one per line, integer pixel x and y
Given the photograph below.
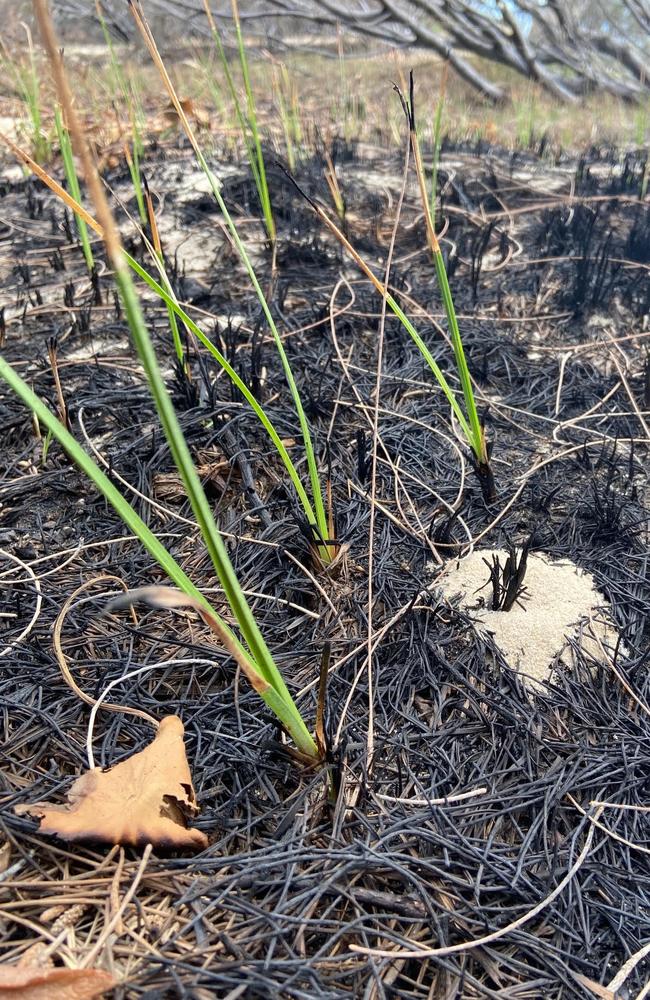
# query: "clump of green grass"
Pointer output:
{"type": "Point", "coordinates": [324, 544]}
{"type": "Point", "coordinates": [350, 109]}
{"type": "Point", "coordinates": [288, 106]}
{"type": "Point", "coordinates": [252, 654]}
{"type": "Point", "coordinates": [467, 417]}
{"type": "Point", "coordinates": [320, 522]}
{"type": "Point", "coordinates": [246, 119]}
{"type": "Point", "coordinates": [471, 428]}
{"type": "Point", "coordinates": [26, 81]}
{"type": "Point", "coordinates": [526, 117]}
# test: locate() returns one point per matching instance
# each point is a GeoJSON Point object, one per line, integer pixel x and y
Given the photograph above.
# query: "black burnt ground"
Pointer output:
{"type": "Point", "coordinates": [553, 298]}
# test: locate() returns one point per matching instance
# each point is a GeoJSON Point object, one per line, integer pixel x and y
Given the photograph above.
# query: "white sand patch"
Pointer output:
{"type": "Point", "coordinates": [561, 603]}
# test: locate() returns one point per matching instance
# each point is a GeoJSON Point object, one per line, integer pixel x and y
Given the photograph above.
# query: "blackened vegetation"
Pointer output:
{"type": "Point", "coordinates": [594, 259]}
{"type": "Point", "coordinates": [291, 881]}
{"type": "Point", "coordinates": [507, 580]}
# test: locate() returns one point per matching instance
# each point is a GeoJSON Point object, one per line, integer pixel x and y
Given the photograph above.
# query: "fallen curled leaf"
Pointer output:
{"type": "Point", "coordinates": [30, 983]}
{"type": "Point", "coordinates": [192, 110]}
{"type": "Point", "coordinates": [148, 798]}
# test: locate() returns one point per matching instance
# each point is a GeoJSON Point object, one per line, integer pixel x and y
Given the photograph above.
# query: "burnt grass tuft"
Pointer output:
{"type": "Point", "coordinates": [553, 297]}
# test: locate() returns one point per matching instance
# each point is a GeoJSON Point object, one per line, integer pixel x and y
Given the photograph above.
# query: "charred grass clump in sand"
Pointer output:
{"type": "Point", "coordinates": [495, 841]}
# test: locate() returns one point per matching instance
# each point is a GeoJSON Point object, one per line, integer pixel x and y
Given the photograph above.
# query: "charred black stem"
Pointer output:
{"type": "Point", "coordinates": [508, 580]}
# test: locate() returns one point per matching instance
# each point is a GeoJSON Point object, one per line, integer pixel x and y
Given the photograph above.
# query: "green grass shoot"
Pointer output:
{"type": "Point", "coordinates": [132, 156]}
{"type": "Point", "coordinates": [334, 186]}
{"type": "Point", "coordinates": [470, 424]}
{"type": "Point", "coordinates": [253, 654]}
{"type": "Point", "coordinates": [247, 120]}
{"type": "Point", "coordinates": [289, 110]}
{"type": "Point", "coordinates": [26, 82]}
{"type": "Point", "coordinates": [120, 86]}
{"type": "Point", "coordinates": [437, 143]}
{"type": "Point", "coordinates": [323, 543]}
{"type": "Point", "coordinates": [254, 657]}
{"type": "Point", "coordinates": [317, 518]}
{"type": "Point", "coordinates": [116, 76]}
{"type": "Point", "coordinates": [73, 184]}
{"type": "Point", "coordinates": [156, 247]}
{"type": "Point", "coordinates": [468, 420]}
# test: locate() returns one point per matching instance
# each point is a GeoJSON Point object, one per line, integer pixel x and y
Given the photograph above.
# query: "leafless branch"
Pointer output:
{"type": "Point", "coordinates": [568, 47]}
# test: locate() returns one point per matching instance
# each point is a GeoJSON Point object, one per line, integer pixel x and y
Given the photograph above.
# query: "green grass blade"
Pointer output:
{"type": "Point", "coordinates": [120, 84]}
{"type": "Point", "coordinates": [136, 177]}
{"type": "Point", "coordinates": [171, 315]}
{"type": "Point", "coordinates": [433, 365]}
{"type": "Point", "coordinates": [252, 121]}
{"type": "Point", "coordinates": [319, 509]}
{"type": "Point", "coordinates": [196, 494]}
{"type": "Point", "coordinates": [167, 296]}
{"type": "Point", "coordinates": [437, 145]}
{"type": "Point", "coordinates": [164, 292]}
{"type": "Point", "coordinates": [73, 184]}
{"type": "Point", "coordinates": [321, 527]}
{"type": "Point", "coordinates": [277, 696]}
{"type": "Point", "coordinates": [194, 490]}
{"type": "Point", "coordinates": [471, 425]}
{"type": "Point", "coordinates": [239, 112]}
{"type": "Point", "coordinates": [88, 466]}
{"type": "Point", "coordinates": [321, 520]}
{"type": "Point", "coordinates": [395, 308]}
{"type": "Point", "coordinates": [475, 435]}
{"type": "Point", "coordinates": [118, 78]}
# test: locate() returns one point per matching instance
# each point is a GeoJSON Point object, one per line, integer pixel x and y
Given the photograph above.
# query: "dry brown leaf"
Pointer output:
{"type": "Point", "coordinates": [169, 485]}
{"type": "Point", "coordinates": [53, 984]}
{"type": "Point", "coordinates": [147, 798]}
{"type": "Point", "coordinates": [192, 110]}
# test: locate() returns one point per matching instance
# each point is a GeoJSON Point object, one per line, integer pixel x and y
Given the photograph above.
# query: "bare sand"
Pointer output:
{"type": "Point", "coordinates": [561, 602]}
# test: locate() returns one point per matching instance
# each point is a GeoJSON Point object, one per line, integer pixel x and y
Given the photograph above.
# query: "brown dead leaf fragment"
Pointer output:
{"type": "Point", "coordinates": [53, 984]}
{"type": "Point", "coordinates": [5, 855]}
{"type": "Point", "coordinates": [191, 109]}
{"type": "Point", "coordinates": [597, 989]}
{"type": "Point", "coordinates": [147, 798]}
